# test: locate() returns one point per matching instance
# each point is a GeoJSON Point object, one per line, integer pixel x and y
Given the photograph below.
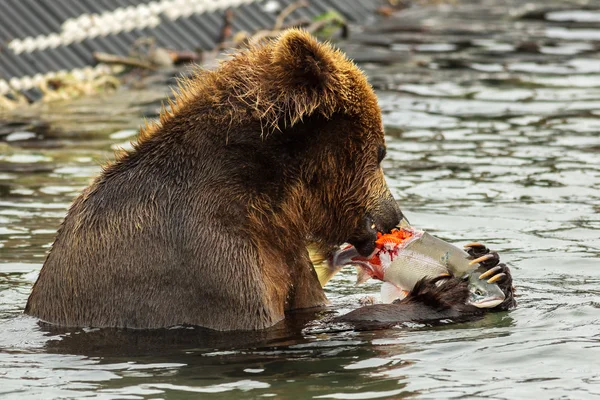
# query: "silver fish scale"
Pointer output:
{"type": "Point", "coordinates": [424, 256]}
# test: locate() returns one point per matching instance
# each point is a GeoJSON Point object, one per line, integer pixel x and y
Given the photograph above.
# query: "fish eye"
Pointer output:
{"type": "Point", "coordinates": [479, 292]}
{"type": "Point", "coordinates": [381, 152]}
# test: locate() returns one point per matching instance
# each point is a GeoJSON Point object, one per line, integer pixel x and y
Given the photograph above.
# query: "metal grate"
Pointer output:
{"type": "Point", "coordinates": [42, 38]}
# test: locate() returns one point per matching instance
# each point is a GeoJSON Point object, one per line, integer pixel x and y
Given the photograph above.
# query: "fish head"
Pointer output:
{"type": "Point", "coordinates": [387, 248]}
{"type": "Point", "coordinates": [349, 255]}
{"type": "Point", "coordinates": [484, 294]}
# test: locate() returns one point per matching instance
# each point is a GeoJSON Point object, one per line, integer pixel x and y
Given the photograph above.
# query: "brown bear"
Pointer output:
{"type": "Point", "coordinates": [205, 222]}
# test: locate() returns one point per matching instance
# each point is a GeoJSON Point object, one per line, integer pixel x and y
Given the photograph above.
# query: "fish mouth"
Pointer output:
{"type": "Point", "coordinates": [490, 302]}
{"type": "Point", "coordinates": [348, 255]}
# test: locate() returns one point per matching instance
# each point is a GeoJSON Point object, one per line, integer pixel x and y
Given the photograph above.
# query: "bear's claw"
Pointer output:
{"type": "Point", "coordinates": [482, 259]}
{"type": "Point", "coordinates": [496, 272]}
{"type": "Point", "coordinates": [490, 272]}
{"type": "Point", "coordinates": [473, 244]}
{"type": "Point", "coordinates": [497, 278]}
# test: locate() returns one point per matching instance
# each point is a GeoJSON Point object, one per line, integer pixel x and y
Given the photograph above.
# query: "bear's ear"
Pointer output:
{"type": "Point", "coordinates": [302, 62]}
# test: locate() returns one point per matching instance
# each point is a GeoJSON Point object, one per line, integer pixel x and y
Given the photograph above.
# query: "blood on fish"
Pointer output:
{"type": "Point", "coordinates": [386, 243]}
{"type": "Point", "coordinates": [396, 236]}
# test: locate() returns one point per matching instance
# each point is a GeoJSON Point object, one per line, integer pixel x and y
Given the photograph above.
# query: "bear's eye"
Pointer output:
{"type": "Point", "coordinates": [381, 152]}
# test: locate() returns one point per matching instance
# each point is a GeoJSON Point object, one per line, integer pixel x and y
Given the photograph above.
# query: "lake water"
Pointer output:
{"type": "Point", "coordinates": [493, 128]}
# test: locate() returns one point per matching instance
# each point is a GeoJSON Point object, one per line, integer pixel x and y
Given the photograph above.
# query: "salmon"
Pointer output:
{"type": "Point", "coordinates": [404, 257]}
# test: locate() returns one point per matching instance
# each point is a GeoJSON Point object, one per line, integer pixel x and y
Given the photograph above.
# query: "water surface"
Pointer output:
{"type": "Point", "coordinates": [489, 139]}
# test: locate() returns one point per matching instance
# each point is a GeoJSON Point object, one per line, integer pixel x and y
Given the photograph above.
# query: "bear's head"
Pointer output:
{"type": "Point", "coordinates": [324, 118]}
{"type": "Point", "coordinates": [299, 129]}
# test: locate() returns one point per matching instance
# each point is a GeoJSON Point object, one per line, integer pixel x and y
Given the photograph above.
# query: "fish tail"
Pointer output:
{"type": "Point", "coordinates": [325, 272]}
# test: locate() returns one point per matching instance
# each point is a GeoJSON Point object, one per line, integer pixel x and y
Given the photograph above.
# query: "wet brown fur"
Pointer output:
{"type": "Point", "coordinates": [429, 302]}
{"type": "Point", "coordinates": [426, 303]}
{"type": "Point", "coordinates": [204, 222]}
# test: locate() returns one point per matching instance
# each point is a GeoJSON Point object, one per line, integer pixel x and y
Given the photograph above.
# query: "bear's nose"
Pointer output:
{"type": "Point", "coordinates": [389, 216]}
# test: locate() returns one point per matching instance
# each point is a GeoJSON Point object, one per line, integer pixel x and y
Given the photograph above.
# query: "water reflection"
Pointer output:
{"type": "Point", "coordinates": [488, 138]}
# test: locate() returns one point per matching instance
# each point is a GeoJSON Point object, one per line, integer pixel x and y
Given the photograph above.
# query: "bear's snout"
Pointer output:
{"type": "Point", "coordinates": [364, 239]}
{"type": "Point", "coordinates": [383, 218]}
{"type": "Point", "coordinates": [388, 215]}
